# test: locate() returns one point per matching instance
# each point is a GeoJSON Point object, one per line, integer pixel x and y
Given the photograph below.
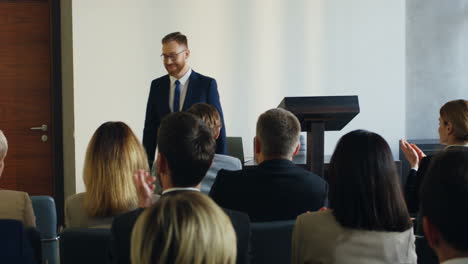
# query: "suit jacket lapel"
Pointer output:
{"type": "Point", "coordinates": [193, 83]}
{"type": "Point", "coordinates": [165, 87]}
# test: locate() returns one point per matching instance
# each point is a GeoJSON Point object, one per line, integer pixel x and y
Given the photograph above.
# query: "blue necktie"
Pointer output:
{"type": "Point", "coordinates": [176, 97]}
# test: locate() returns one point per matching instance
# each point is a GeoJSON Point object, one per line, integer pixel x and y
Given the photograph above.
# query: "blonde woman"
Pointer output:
{"type": "Point", "coordinates": [113, 155]}
{"type": "Point", "coordinates": [183, 227]}
{"type": "Point", "coordinates": [453, 132]}
{"type": "Point", "coordinates": [14, 204]}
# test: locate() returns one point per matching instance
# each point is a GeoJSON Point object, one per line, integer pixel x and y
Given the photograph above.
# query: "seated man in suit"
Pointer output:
{"type": "Point", "coordinates": [276, 189]}
{"type": "Point", "coordinates": [210, 116]}
{"type": "Point", "coordinates": [444, 205]}
{"type": "Point", "coordinates": [186, 150]}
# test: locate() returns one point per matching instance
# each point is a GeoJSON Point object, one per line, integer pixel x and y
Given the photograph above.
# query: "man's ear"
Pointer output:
{"type": "Point", "coordinates": [431, 233]}
{"type": "Point", "coordinates": [297, 149]}
{"type": "Point", "coordinates": [162, 165]}
{"type": "Point", "coordinates": [449, 128]}
{"type": "Point", "coordinates": [187, 53]}
{"type": "Point", "coordinates": [218, 131]}
{"type": "Point", "coordinates": [257, 146]}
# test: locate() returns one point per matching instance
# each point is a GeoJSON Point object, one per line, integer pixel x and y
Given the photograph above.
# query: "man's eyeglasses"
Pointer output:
{"type": "Point", "coordinates": [172, 56]}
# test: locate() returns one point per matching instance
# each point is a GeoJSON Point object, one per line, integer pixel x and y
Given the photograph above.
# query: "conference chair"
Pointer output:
{"type": "Point", "coordinates": [85, 245]}
{"type": "Point", "coordinates": [234, 148]}
{"type": "Point", "coordinates": [35, 240]}
{"type": "Point", "coordinates": [271, 242]}
{"type": "Point", "coordinates": [425, 253]}
{"type": "Point", "coordinates": [46, 223]}
{"type": "Point", "coordinates": [15, 246]}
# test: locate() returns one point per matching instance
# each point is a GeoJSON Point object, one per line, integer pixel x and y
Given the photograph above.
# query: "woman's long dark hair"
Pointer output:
{"type": "Point", "coordinates": [365, 191]}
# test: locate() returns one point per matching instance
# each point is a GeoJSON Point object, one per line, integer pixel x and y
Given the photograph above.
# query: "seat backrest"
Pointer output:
{"type": "Point", "coordinates": [14, 243]}
{"type": "Point", "coordinates": [84, 245]}
{"type": "Point", "coordinates": [46, 224]}
{"type": "Point", "coordinates": [424, 252]}
{"type": "Point", "coordinates": [46, 215]}
{"type": "Point", "coordinates": [271, 242]}
{"type": "Point", "coordinates": [235, 148]}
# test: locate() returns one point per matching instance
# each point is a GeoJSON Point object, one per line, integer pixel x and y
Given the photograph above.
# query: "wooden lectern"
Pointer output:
{"type": "Point", "coordinates": [318, 114]}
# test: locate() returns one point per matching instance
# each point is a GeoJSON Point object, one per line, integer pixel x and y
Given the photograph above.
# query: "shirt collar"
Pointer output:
{"type": "Point", "coordinates": [180, 189]}
{"type": "Point", "coordinates": [449, 146]}
{"type": "Point", "coordinates": [184, 78]}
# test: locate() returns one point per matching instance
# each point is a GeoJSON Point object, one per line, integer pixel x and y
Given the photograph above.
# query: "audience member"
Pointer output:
{"type": "Point", "coordinates": [113, 155]}
{"type": "Point", "coordinates": [368, 221]}
{"type": "Point", "coordinates": [453, 131]}
{"type": "Point", "coordinates": [186, 150]}
{"type": "Point", "coordinates": [444, 205]}
{"type": "Point", "coordinates": [14, 204]}
{"type": "Point", "coordinates": [276, 189]}
{"type": "Point", "coordinates": [210, 116]}
{"type": "Point", "coordinates": [183, 227]}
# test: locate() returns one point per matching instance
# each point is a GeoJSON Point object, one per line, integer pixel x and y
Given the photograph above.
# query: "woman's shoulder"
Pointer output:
{"type": "Point", "coordinates": [320, 221]}
{"type": "Point", "coordinates": [227, 162]}
{"type": "Point", "coordinates": [74, 199]}
{"type": "Point", "coordinates": [318, 216]}
{"type": "Point", "coordinates": [13, 194]}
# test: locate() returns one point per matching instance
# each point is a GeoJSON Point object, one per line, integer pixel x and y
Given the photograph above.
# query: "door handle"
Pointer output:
{"type": "Point", "coordinates": [43, 128]}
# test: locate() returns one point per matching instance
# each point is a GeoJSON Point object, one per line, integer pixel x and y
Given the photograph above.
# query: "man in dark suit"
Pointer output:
{"type": "Point", "coordinates": [276, 189]}
{"type": "Point", "coordinates": [186, 150]}
{"type": "Point", "coordinates": [444, 206]}
{"type": "Point", "coordinates": [177, 91]}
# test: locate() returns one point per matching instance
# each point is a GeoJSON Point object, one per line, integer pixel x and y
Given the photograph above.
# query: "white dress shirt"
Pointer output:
{"type": "Point", "coordinates": [184, 82]}
{"type": "Point", "coordinates": [181, 189]}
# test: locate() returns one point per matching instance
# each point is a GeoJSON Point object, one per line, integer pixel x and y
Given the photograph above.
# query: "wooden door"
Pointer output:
{"type": "Point", "coordinates": [26, 95]}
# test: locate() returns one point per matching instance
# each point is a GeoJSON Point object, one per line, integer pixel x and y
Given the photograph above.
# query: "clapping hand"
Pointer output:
{"type": "Point", "coordinates": [413, 153]}
{"type": "Point", "coordinates": [144, 184]}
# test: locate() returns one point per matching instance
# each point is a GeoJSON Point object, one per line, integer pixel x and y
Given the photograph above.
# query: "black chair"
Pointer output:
{"type": "Point", "coordinates": [271, 242]}
{"type": "Point", "coordinates": [34, 237]}
{"type": "Point", "coordinates": [15, 246]}
{"type": "Point", "coordinates": [234, 148]}
{"type": "Point", "coordinates": [84, 245]}
{"type": "Point", "coordinates": [425, 253]}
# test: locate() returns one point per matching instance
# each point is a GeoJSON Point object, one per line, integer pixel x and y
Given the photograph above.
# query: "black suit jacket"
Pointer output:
{"type": "Point", "coordinates": [272, 191]}
{"type": "Point", "coordinates": [201, 89]}
{"type": "Point", "coordinates": [413, 185]}
{"type": "Point", "coordinates": [122, 227]}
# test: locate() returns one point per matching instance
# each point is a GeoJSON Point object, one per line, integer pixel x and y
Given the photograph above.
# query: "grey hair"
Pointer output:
{"type": "Point", "coordinates": [3, 145]}
{"type": "Point", "coordinates": [278, 131]}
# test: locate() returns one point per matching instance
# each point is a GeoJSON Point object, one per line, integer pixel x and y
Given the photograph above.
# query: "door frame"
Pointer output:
{"type": "Point", "coordinates": [56, 83]}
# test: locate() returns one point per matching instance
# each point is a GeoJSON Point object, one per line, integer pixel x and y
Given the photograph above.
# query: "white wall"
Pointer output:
{"type": "Point", "coordinates": [259, 51]}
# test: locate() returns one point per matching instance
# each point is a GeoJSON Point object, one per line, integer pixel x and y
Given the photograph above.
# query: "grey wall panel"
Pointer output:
{"type": "Point", "coordinates": [436, 61]}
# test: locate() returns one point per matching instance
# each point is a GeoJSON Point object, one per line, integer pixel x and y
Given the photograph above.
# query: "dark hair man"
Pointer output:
{"type": "Point", "coordinates": [186, 150]}
{"type": "Point", "coordinates": [444, 205]}
{"type": "Point", "coordinates": [177, 91]}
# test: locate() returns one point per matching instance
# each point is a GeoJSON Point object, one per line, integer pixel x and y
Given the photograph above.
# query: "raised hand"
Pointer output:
{"type": "Point", "coordinates": [410, 153]}
{"type": "Point", "coordinates": [144, 184]}
{"type": "Point", "coordinates": [420, 153]}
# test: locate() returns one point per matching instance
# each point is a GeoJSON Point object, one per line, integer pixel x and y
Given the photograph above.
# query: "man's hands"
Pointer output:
{"type": "Point", "coordinates": [413, 154]}
{"type": "Point", "coordinates": [144, 184]}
